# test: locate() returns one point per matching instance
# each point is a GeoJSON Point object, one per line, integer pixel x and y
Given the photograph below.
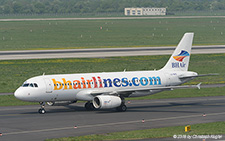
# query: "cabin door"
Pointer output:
{"type": "Point", "coordinates": [48, 85]}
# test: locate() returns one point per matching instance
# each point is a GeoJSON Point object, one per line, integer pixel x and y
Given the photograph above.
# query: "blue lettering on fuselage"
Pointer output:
{"type": "Point", "coordinates": [144, 81]}
{"type": "Point", "coordinates": [106, 82]}
{"type": "Point", "coordinates": [135, 81]}
{"type": "Point", "coordinates": [116, 82]}
{"type": "Point", "coordinates": [125, 82]}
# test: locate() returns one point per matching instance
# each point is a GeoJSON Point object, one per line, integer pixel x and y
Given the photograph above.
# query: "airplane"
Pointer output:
{"type": "Point", "coordinates": [108, 90]}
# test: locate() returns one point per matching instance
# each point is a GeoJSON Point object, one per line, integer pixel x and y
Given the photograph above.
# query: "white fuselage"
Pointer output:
{"type": "Point", "coordinates": [69, 87]}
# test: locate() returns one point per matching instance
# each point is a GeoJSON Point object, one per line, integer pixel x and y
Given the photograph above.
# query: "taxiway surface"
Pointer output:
{"type": "Point", "coordinates": [25, 123]}
{"type": "Point", "coordinates": [103, 52]}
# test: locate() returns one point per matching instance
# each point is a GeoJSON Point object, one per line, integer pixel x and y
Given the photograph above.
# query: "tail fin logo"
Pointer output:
{"type": "Point", "coordinates": [181, 56]}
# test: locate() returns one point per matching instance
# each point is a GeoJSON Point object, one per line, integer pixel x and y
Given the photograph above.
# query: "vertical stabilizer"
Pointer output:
{"type": "Point", "coordinates": [179, 61]}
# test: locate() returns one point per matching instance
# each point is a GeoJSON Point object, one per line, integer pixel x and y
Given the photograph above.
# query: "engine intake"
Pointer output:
{"type": "Point", "coordinates": [106, 102]}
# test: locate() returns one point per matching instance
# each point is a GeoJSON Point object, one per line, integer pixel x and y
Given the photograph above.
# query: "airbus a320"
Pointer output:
{"type": "Point", "coordinates": [109, 90]}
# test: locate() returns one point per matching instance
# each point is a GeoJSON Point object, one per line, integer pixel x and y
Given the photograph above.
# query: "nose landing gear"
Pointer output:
{"type": "Point", "coordinates": [42, 109]}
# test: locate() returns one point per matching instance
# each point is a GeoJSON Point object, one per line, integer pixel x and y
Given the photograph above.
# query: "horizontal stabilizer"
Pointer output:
{"type": "Point", "coordinates": [201, 75]}
{"type": "Point", "coordinates": [211, 74]}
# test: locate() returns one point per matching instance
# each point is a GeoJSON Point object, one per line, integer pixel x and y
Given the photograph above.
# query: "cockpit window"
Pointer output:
{"type": "Point", "coordinates": [25, 85]}
{"type": "Point", "coordinates": [30, 85]}
{"type": "Point", "coordinates": [35, 85]}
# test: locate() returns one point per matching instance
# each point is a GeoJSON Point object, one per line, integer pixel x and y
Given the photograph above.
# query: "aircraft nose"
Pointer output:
{"type": "Point", "coordinates": [19, 94]}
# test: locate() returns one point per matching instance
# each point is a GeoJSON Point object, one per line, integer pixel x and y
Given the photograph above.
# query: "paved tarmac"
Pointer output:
{"type": "Point", "coordinates": [24, 123]}
{"type": "Point", "coordinates": [103, 52]}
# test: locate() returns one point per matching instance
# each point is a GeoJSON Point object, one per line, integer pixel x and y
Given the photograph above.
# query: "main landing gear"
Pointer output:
{"type": "Point", "coordinates": [42, 110]}
{"type": "Point", "coordinates": [122, 108]}
{"type": "Point", "coordinates": [89, 106]}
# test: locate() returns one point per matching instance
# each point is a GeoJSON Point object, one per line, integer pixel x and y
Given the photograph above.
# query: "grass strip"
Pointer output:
{"type": "Point", "coordinates": [10, 100]}
{"type": "Point", "coordinates": [214, 128]}
{"type": "Point", "coordinates": [30, 35]}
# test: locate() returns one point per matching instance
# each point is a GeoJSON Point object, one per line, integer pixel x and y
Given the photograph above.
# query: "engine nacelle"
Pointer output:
{"type": "Point", "coordinates": [106, 102]}
{"type": "Point", "coordinates": [60, 103]}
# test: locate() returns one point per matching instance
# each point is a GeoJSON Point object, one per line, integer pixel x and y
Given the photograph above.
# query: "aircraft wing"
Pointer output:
{"type": "Point", "coordinates": [126, 91]}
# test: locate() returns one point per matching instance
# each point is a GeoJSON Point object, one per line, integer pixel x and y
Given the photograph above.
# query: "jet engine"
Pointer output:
{"type": "Point", "coordinates": [60, 103]}
{"type": "Point", "coordinates": [106, 102]}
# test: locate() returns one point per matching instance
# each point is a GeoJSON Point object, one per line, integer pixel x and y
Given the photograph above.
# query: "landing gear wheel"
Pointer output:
{"type": "Point", "coordinates": [89, 106]}
{"type": "Point", "coordinates": [122, 108]}
{"type": "Point", "coordinates": [41, 111]}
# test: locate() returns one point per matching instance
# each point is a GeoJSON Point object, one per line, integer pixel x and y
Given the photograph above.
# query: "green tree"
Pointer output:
{"type": "Point", "coordinates": [39, 8]}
